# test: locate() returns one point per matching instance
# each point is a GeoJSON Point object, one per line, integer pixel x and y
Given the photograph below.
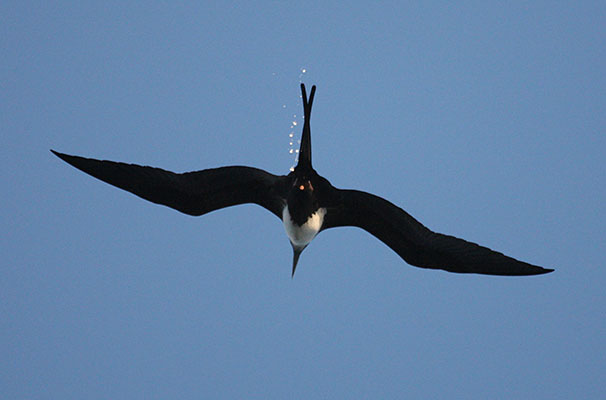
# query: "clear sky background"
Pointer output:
{"type": "Point", "coordinates": [484, 120]}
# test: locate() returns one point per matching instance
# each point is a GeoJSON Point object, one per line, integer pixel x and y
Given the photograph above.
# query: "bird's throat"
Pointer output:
{"type": "Point", "coordinates": [301, 235]}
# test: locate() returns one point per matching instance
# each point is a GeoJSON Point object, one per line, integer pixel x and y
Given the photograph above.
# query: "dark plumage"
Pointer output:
{"type": "Point", "coordinates": [307, 203]}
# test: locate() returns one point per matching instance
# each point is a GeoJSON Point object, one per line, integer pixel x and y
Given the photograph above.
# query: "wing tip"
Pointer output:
{"type": "Point", "coordinates": [546, 270]}
{"type": "Point", "coordinates": [58, 154]}
{"type": "Point", "coordinates": [535, 270]}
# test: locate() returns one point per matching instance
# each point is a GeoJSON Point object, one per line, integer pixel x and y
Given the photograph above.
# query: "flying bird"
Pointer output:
{"type": "Point", "coordinates": [307, 204]}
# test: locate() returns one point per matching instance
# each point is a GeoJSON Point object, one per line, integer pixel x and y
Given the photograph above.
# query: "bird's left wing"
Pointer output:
{"type": "Point", "coordinates": [194, 193]}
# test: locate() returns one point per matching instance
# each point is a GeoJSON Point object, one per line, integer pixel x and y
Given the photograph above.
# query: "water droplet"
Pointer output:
{"type": "Point", "coordinates": [291, 134]}
{"type": "Point", "coordinates": [290, 151]}
{"type": "Point", "coordinates": [303, 70]}
{"type": "Point", "coordinates": [294, 123]}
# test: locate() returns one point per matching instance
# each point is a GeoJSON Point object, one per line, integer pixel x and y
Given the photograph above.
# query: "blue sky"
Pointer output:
{"type": "Point", "coordinates": [484, 120]}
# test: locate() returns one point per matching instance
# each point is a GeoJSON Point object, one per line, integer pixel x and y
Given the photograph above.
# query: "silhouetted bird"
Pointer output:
{"type": "Point", "coordinates": [307, 204]}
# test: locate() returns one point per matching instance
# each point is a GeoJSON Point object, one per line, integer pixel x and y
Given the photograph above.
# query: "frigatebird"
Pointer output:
{"type": "Point", "coordinates": [307, 204]}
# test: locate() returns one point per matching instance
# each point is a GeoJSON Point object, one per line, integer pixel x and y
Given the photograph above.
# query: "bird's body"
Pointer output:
{"type": "Point", "coordinates": [307, 204]}
{"type": "Point", "coordinates": [301, 235]}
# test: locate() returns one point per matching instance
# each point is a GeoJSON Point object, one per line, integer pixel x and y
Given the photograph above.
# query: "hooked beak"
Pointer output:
{"type": "Point", "coordinates": [296, 253]}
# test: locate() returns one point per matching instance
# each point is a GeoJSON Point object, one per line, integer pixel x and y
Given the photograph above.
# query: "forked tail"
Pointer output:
{"type": "Point", "coordinates": [305, 149]}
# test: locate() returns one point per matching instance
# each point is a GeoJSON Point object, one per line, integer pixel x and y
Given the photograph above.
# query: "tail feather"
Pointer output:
{"type": "Point", "coordinates": [305, 149]}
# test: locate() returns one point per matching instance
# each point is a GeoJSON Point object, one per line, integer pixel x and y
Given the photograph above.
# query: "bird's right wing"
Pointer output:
{"type": "Point", "coordinates": [415, 243]}
{"type": "Point", "coordinates": [194, 193]}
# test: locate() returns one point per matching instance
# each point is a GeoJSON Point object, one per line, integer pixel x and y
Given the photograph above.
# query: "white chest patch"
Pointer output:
{"type": "Point", "coordinates": [300, 236]}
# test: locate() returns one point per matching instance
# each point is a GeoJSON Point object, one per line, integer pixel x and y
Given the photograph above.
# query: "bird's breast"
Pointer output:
{"type": "Point", "coordinates": [301, 235]}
